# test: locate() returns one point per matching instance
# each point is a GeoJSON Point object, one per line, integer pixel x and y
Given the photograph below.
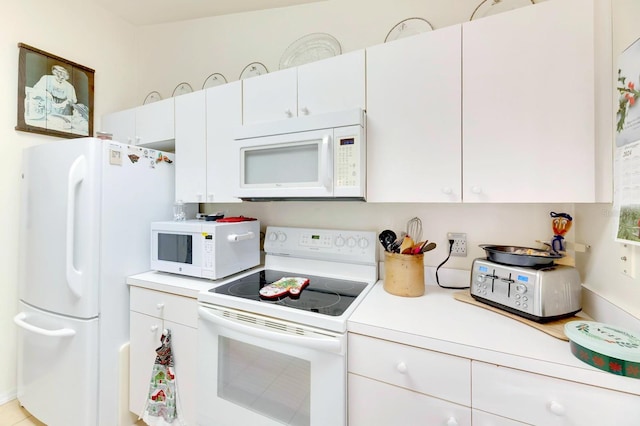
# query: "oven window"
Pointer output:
{"type": "Point", "coordinates": [175, 248]}
{"type": "Point", "coordinates": [270, 383]}
{"type": "Point", "coordinates": [287, 164]}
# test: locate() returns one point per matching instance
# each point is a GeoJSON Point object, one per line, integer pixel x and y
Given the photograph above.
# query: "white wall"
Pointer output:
{"type": "Point", "coordinates": [77, 31]}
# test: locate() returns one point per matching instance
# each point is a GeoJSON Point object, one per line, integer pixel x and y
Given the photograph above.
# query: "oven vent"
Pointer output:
{"type": "Point", "coordinates": [268, 323]}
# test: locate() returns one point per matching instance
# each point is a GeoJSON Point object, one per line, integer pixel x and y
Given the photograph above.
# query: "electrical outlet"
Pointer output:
{"type": "Point", "coordinates": [459, 247]}
{"type": "Point", "coordinates": [627, 260]}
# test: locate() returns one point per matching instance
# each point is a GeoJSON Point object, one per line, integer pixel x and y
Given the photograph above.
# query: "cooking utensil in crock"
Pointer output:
{"type": "Point", "coordinates": [387, 238]}
{"type": "Point", "coordinates": [427, 247]}
{"type": "Point", "coordinates": [414, 228]}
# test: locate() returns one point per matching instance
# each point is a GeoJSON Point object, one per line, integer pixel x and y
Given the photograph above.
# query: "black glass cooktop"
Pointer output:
{"type": "Point", "coordinates": [323, 295]}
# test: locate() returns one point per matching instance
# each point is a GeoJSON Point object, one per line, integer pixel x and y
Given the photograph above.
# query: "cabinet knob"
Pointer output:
{"type": "Point", "coordinates": [447, 190]}
{"type": "Point", "coordinates": [138, 139]}
{"type": "Point", "coordinates": [153, 328]}
{"type": "Point", "coordinates": [401, 367]}
{"type": "Point", "coordinates": [556, 408]}
{"type": "Point", "coordinates": [452, 421]}
{"type": "Point", "coordinates": [288, 113]}
{"type": "Point", "coordinates": [210, 197]}
{"type": "Point", "coordinates": [199, 196]}
{"type": "Point", "coordinates": [304, 110]}
{"type": "Point", "coordinates": [160, 306]}
{"type": "Point", "coordinates": [476, 190]}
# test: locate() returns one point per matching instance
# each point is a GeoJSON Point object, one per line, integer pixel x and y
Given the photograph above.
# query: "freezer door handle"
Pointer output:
{"type": "Point", "coordinates": [20, 322]}
{"type": "Point", "coordinates": [77, 173]}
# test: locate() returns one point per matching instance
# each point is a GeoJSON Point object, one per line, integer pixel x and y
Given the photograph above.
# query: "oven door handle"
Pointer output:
{"type": "Point", "coordinates": [328, 345]}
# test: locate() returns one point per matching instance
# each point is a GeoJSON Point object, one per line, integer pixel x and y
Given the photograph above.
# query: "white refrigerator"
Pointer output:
{"type": "Point", "coordinates": [86, 208]}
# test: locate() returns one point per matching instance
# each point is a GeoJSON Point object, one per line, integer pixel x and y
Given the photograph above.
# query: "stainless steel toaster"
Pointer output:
{"type": "Point", "coordinates": [540, 294]}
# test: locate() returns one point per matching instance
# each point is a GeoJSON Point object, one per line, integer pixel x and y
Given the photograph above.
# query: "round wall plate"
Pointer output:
{"type": "Point", "coordinates": [252, 70]}
{"type": "Point", "coordinates": [182, 89]}
{"type": "Point", "coordinates": [310, 48]}
{"type": "Point", "coordinates": [152, 97]}
{"type": "Point", "coordinates": [493, 7]}
{"type": "Point", "coordinates": [213, 80]}
{"type": "Point", "coordinates": [408, 27]}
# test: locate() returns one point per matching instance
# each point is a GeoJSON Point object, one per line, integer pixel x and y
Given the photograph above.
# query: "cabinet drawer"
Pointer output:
{"type": "Point", "coordinates": [180, 309]}
{"type": "Point", "coordinates": [375, 403]}
{"type": "Point", "coordinates": [480, 418]}
{"type": "Point", "coordinates": [542, 400]}
{"type": "Point", "coordinates": [432, 373]}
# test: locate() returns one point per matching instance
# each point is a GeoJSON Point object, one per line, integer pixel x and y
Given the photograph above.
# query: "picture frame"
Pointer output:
{"type": "Point", "coordinates": [55, 95]}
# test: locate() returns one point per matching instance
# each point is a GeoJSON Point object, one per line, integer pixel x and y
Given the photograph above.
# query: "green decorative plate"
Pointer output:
{"type": "Point", "coordinates": [606, 347]}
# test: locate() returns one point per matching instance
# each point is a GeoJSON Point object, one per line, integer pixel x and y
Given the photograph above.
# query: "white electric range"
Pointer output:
{"type": "Point", "coordinates": [259, 359]}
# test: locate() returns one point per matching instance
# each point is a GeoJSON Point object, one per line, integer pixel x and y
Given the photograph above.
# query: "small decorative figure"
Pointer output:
{"type": "Point", "coordinates": [561, 223]}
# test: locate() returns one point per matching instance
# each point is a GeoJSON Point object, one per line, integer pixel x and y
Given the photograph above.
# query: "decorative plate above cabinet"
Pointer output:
{"type": "Point", "coordinates": [492, 7]}
{"type": "Point", "coordinates": [254, 69]}
{"type": "Point", "coordinates": [408, 27]}
{"type": "Point", "coordinates": [213, 80]}
{"type": "Point", "coordinates": [182, 89]}
{"type": "Point", "coordinates": [310, 48]}
{"type": "Point", "coordinates": [152, 97]}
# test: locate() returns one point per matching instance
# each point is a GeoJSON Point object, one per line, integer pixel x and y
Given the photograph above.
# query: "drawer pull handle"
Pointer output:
{"type": "Point", "coordinates": [556, 408]}
{"type": "Point", "coordinates": [154, 328]}
{"type": "Point", "coordinates": [402, 368]}
{"type": "Point", "coordinates": [452, 421]}
{"type": "Point", "coordinates": [160, 306]}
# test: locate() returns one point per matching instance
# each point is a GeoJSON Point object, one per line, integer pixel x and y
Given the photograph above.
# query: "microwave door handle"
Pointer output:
{"type": "Point", "coordinates": [332, 345]}
{"type": "Point", "coordinates": [20, 322]}
{"type": "Point", "coordinates": [77, 173]}
{"type": "Point", "coordinates": [240, 237]}
{"type": "Point", "coordinates": [326, 162]}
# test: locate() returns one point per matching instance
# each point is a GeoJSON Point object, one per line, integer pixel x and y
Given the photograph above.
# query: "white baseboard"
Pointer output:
{"type": "Point", "coordinates": [9, 396]}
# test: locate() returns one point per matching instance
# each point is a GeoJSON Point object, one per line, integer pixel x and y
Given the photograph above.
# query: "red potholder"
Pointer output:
{"type": "Point", "coordinates": [291, 286]}
{"type": "Point", "coordinates": [236, 219]}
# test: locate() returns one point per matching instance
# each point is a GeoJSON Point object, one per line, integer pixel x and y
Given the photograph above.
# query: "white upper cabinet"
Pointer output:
{"type": "Point", "coordinates": [224, 113]}
{"type": "Point", "coordinates": [330, 85]}
{"type": "Point", "coordinates": [414, 118]}
{"type": "Point", "coordinates": [529, 105]}
{"type": "Point", "coordinates": [206, 171]}
{"type": "Point", "coordinates": [150, 125]}
{"type": "Point", "coordinates": [191, 150]}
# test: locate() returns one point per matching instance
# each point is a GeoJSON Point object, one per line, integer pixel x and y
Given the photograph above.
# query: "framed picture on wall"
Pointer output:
{"type": "Point", "coordinates": [55, 95]}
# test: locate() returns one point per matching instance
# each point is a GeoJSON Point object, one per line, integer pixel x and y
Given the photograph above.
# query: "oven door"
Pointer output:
{"type": "Point", "coordinates": [294, 165]}
{"type": "Point", "coordinates": [255, 370]}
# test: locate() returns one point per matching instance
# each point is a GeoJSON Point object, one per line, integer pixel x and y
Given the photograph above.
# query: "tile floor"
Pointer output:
{"type": "Point", "coordinates": [12, 414]}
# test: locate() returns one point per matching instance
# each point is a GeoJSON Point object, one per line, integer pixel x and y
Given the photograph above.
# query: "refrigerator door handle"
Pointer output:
{"type": "Point", "coordinates": [77, 173]}
{"type": "Point", "coordinates": [63, 332]}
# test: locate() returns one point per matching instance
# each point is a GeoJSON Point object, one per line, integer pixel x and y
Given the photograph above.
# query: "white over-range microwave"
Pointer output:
{"type": "Point", "coordinates": [311, 157]}
{"type": "Point", "coordinates": [205, 249]}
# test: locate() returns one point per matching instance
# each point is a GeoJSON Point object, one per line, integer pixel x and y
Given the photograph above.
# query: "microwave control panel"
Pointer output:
{"type": "Point", "coordinates": [350, 161]}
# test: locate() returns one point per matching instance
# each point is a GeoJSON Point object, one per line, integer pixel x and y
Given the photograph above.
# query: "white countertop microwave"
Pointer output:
{"type": "Point", "coordinates": [312, 157]}
{"type": "Point", "coordinates": [204, 249]}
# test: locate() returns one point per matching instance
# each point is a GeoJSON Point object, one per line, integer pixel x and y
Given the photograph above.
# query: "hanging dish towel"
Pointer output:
{"type": "Point", "coordinates": [162, 408]}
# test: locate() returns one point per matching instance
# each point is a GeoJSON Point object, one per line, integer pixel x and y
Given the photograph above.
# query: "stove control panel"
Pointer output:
{"type": "Point", "coordinates": [322, 244]}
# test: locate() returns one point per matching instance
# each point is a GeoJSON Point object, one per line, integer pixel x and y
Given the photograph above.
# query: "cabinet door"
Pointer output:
{"type": "Point", "coordinates": [122, 125]}
{"type": "Point", "coordinates": [413, 118]}
{"type": "Point", "coordinates": [375, 403]}
{"type": "Point", "coordinates": [224, 113]}
{"type": "Point", "coordinates": [184, 349]}
{"type": "Point", "coordinates": [270, 97]}
{"type": "Point", "coordinates": [145, 332]}
{"type": "Point", "coordinates": [528, 105]}
{"type": "Point", "coordinates": [190, 146]}
{"type": "Point", "coordinates": [155, 122]}
{"type": "Point", "coordinates": [333, 84]}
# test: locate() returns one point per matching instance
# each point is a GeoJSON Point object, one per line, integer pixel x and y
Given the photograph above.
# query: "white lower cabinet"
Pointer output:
{"type": "Point", "coordinates": [480, 418]}
{"type": "Point", "coordinates": [151, 313]}
{"type": "Point", "coordinates": [543, 400]}
{"type": "Point", "coordinates": [391, 384]}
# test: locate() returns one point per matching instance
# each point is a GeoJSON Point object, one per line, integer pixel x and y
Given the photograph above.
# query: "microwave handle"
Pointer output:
{"type": "Point", "coordinates": [241, 237]}
{"type": "Point", "coordinates": [77, 173]}
{"type": "Point", "coordinates": [326, 162]}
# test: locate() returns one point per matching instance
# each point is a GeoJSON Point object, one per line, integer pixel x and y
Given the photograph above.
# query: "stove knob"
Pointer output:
{"type": "Point", "coordinates": [272, 236]}
{"type": "Point", "coordinates": [282, 237]}
{"type": "Point", "coordinates": [351, 242]}
{"type": "Point", "coordinates": [363, 243]}
{"type": "Point", "coordinates": [339, 241]}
